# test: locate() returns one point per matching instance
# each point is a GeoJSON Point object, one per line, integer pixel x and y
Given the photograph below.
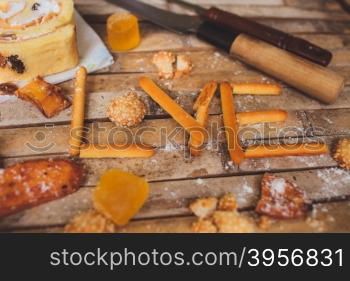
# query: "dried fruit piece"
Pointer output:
{"type": "Point", "coordinates": [8, 89]}
{"type": "Point", "coordinates": [3, 61]}
{"type": "Point", "coordinates": [35, 6]}
{"type": "Point", "coordinates": [120, 195]}
{"type": "Point", "coordinates": [233, 222]}
{"type": "Point", "coordinates": [281, 199]}
{"type": "Point", "coordinates": [47, 97]}
{"type": "Point", "coordinates": [90, 222]}
{"type": "Point", "coordinates": [16, 64]}
{"type": "Point", "coordinates": [204, 226]}
{"type": "Point", "coordinates": [204, 208]}
{"type": "Point", "coordinates": [342, 154]}
{"type": "Point", "coordinates": [228, 203]}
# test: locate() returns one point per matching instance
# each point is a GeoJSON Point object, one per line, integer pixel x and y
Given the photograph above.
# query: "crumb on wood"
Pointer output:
{"type": "Point", "coordinates": [204, 208]}
{"type": "Point", "coordinates": [228, 203]}
{"type": "Point", "coordinates": [90, 222]}
{"type": "Point", "coordinates": [204, 226]}
{"type": "Point", "coordinates": [233, 222]}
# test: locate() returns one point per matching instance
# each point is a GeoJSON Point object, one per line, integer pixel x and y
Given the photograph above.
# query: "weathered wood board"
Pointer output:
{"type": "Point", "coordinates": [176, 179]}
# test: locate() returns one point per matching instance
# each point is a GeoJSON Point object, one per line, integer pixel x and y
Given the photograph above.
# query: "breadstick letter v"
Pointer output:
{"type": "Point", "coordinates": [169, 105]}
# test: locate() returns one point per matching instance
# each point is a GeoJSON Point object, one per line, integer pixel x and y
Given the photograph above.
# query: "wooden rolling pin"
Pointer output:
{"type": "Point", "coordinates": [318, 82]}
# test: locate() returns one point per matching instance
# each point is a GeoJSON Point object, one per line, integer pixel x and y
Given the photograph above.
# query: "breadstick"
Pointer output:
{"type": "Point", "coordinates": [116, 151]}
{"type": "Point", "coordinates": [202, 107]}
{"type": "Point", "coordinates": [78, 113]}
{"type": "Point", "coordinates": [279, 150]}
{"type": "Point", "coordinates": [205, 95]}
{"type": "Point", "coordinates": [230, 122]}
{"type": "Point", "coordinates": [256, 89]}
{"type": "Point", "coordinates": [181, 116]}
{"type": "Point", "coordinates": [245, 118]}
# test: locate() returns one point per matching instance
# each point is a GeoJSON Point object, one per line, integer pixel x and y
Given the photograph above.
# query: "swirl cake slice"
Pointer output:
{"type": "Point", "coordinates": [37, 38]}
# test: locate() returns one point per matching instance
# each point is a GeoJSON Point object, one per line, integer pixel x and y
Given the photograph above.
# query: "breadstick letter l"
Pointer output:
{"type": "Point", "coordinates": [78, 113]}
{"type": "Point", "coordinates": [230, 122]}
{"type": "Point", "coordinates": [169, 105]}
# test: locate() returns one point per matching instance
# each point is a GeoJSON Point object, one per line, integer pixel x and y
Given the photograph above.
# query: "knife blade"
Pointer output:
{"type": "Point", "coordinates": [266, 33]}
{"type": "Point", "coordinates": [174, 22]}
{"type": "Point", "coordinates": [316, 81]}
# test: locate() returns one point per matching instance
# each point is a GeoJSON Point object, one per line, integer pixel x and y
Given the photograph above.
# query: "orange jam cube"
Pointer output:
{"type": "Point", "coordinates": [123, 32]}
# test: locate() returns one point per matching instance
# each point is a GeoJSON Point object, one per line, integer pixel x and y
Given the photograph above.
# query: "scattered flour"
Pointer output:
{"type": "Point", "coordinates": [327, 120]}
{"type": "Point", "coordinates": [278, 185]}
{"type": "Point", "coordinates": [44, 187]}
{"type": "Point", "coordinates": [333, 176]}
{"type": "Point", "coordinates": [169, 147]}
{"type": "Point", "coordinates": [200, 181]}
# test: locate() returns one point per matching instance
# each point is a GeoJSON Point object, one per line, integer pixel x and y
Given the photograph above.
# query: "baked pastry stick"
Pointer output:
{"type": "Point", "coordinates": [78, 113]}
{"type": "Point", "coordinates": [116, 151]}
{"type": "Point", "coordinates": [230, 122]}
{"type": "Point", "coordinates": [280, 150]}
{"type": "Point", "coordinates": [29, 184]}
{"type": "Point", "coordinates": [246, 118]}
{"type": "Point", "coordinates": [169, 105]}
{"type": "Point", "coordinates": [201, 107]}
{"type": "Point", "coordinates": [256, 89]}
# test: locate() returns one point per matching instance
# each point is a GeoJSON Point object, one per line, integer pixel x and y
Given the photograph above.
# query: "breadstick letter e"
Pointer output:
{"type": "Point", "coordinates": [202, 107]}
{"type": "Point", "coordinates": [230, 122]}
{"type": "Point", "coordinates": [259, 89]}
{"type": "Point", "coordinates": [283, 150]}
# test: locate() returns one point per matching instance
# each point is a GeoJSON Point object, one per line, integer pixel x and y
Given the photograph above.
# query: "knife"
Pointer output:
{"type": "Point", "coordinates": [316, 81]}
{"type": "Point", "coordinates": [268, 34]}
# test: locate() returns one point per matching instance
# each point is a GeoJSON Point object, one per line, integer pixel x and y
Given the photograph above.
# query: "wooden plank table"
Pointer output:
{"type": "Point", "coordinates": [175, 178]}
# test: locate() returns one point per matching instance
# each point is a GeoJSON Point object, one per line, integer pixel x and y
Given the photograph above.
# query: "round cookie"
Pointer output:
{"type": "Point", "coordinates": [127, 111]}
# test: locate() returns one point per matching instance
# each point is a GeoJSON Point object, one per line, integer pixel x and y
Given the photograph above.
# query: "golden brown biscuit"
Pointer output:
{"type": "Point", "coordinates": [164, 62]}
{"type": "Point", "coordinates": [32, 183]}
{"type": "Point", "coordinates": [228, 203]}
{"type": "Point", "coordinates": [127, 111]}
{"type": "Point", "coordinates": [204, 226]}
{"type": "Point", "coordinates": [90, 222]}
{"type": "Point", "coordinates": [233, 222]}
{"type": "Point", "coordinates": [281, 199]}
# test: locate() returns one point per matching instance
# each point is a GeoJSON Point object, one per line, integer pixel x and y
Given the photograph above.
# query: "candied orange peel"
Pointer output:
{"type": "Point", "coordinates": [46, 97]}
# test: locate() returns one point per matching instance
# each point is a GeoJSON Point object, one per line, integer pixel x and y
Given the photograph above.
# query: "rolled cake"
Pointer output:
{"type": "Point", "coordinates": [37, 38]}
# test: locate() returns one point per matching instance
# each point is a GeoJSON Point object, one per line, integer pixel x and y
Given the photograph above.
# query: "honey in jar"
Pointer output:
{"type": "Point", "coordinates": [123, 32]}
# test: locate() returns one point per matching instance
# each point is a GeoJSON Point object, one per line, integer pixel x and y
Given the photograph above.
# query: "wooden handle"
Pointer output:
{"type": "Point", "coordinates": [268, 34]}
{"type": "Point", "coordinates": [314, 80]}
